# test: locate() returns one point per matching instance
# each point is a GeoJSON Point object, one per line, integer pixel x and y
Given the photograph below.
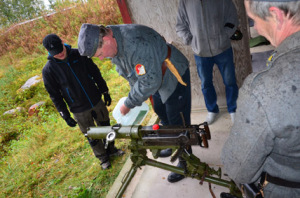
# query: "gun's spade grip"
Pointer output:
{"type": "Point", "coordinates": [204, 140]}
{"type": "Point", "coordinates": [207, 131]}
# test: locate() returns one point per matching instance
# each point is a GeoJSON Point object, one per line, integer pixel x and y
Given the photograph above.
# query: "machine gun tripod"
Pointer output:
{"type": "Point", "coordinates": [156, 138]}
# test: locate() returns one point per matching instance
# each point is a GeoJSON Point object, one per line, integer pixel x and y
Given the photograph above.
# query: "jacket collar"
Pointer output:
{"type": "Point", "coordinates": [290, 43]}
{"type": "Point", "coordinates": [118, 36]}
{"type": "Point", "coordinates": [68, 48]}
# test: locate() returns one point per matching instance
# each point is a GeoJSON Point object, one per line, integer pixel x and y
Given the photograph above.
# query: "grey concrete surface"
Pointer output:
{"type": "Point", "coordinates": [152, 182]}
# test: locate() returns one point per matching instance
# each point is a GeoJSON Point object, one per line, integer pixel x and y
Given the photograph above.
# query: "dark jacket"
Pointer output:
{"type": "Point", "coordinates": [76, 81]}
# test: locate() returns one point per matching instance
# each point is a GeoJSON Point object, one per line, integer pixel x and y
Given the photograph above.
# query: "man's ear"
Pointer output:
{"type": "Point", "coordinates": [105, 38]}
{"type": "Point", "coordinates": [277, 15]}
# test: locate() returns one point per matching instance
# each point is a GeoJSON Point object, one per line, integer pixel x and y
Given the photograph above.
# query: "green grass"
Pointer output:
{"type": "Point", "coordinates": [40, 156]}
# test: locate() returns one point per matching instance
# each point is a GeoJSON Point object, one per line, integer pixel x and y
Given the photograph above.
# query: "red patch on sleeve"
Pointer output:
{"type": "Point", "coordinates": [140, 69]}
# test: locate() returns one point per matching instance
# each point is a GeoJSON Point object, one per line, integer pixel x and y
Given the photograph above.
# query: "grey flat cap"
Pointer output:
{"type": "Point", "coordinates": [88, 39]}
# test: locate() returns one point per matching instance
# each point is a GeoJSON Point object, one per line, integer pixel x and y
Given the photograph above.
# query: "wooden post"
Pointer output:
{"type": "Point", "coordinates": [241, 48]}
{"type": "Point", "coordinates": [124, 11]}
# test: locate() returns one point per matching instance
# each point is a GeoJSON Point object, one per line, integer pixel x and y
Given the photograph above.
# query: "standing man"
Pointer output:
{"type": "Point", "coordinates": [264, 141]}
{"type": "Point", "coordinates": [76, 81]}
{"type": "Point", "coordinates": [209, 26]}
{"type": "Point", "coordinates": [150, 65]}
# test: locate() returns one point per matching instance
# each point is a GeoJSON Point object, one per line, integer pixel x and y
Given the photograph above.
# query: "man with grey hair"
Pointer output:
{"type": "Point", "coordinates": [152, 67]}
{"type": "Point", "coordinates": [263, 146]}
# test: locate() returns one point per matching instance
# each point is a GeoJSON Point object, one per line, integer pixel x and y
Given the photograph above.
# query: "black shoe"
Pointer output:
{"type": "Point", "coordinates": [227, 195]}
{"type": "Point", "coordinates": [116, 152]}
{"type": "Point", "coordinates": [174, 177]}
{"type": "Point", "coordinates": [165, 153]}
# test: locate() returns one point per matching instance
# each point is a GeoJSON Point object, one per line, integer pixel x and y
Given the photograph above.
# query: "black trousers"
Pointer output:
{"type": "Point", "coordinates": [96, 116]}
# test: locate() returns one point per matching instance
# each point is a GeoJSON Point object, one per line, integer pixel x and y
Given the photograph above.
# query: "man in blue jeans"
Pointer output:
{"type": "Point", "coordinates": [209, 26]}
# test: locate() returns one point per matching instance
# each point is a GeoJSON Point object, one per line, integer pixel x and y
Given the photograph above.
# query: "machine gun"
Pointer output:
{"type": "Point", "coordinates": [156, 138]}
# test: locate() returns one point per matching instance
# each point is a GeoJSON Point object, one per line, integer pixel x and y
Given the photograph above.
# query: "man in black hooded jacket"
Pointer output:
{"type": "Point", "coordinates": [75, 81]}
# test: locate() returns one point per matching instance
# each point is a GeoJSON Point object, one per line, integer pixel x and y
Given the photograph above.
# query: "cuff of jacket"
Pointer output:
{"type": "Point", "coordinates": [129, 104]}
{"type": "Point", "coordinates": [65, 115]}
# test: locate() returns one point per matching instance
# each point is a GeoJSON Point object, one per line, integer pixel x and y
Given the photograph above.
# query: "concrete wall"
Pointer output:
{"type": "Point", "coordinates": [161, 16]}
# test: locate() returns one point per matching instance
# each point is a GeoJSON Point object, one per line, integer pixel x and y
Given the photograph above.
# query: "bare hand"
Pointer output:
{"type": "Point", "coordinates": [124, 110]}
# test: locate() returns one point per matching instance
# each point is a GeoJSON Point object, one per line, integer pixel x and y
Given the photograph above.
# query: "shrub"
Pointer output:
{"type": "Point", "coordinates": [29, 35]}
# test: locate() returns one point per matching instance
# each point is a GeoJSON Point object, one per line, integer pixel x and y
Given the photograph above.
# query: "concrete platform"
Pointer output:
{"type": "Point", "coordinates": [151, 182]}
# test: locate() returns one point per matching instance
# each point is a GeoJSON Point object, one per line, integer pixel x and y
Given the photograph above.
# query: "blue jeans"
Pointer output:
{"type": "Point", "coordinates": [224, 61]}
{"type": "Point", "coordinates": [179, 101]}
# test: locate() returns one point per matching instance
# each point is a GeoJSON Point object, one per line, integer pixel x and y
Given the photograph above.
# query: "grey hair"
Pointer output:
{"type": "Point", "coordinates": [261, 9]}
{"type": "Point", "coordinates": [103, 32]}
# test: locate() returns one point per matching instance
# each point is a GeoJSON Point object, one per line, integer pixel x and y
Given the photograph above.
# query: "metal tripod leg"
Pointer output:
{"type": "Point", "coordinates": [150, 162]}
{"type": "Point", "coordinates": [127, 180]}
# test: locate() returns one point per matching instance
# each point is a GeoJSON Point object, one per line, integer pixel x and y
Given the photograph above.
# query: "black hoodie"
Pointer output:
{"type": "Point", "coordinates": [76, 81]}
